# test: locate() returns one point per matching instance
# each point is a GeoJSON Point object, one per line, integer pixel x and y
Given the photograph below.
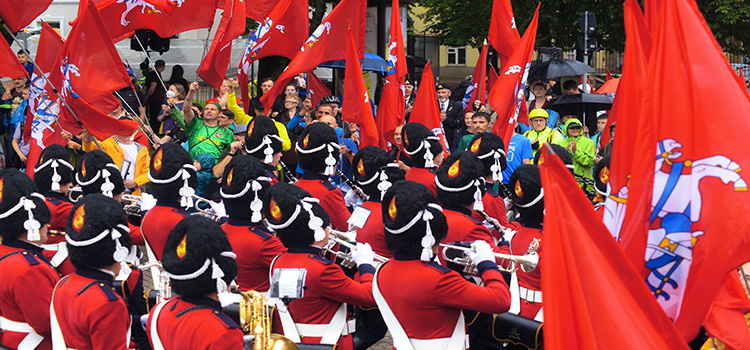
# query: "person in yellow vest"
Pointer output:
{"type": "Point", "coordinates": [130, 157]}
{"type": "Point", "coordinates": [540, 133]}
{"type": "Point", "coordinates": [240, 117]}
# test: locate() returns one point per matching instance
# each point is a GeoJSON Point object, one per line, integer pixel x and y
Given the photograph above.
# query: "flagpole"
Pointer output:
{"type": "Point", "coordinates": [151, 63]}
{"type": "Point", "coordinates": [54, 89]}
{"type": "Point", "coordinates": [139, 121]}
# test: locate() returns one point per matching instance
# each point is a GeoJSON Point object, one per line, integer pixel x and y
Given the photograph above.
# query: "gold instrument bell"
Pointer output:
{"type": "Point", "coordinates": [255, 319]}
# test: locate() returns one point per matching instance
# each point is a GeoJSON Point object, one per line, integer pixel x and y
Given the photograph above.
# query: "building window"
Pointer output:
{"type": "Point", "coordinates": [457, 56]}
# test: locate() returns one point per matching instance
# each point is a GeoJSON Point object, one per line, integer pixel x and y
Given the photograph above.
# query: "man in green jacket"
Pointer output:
{"type": "Point", "coordinates": [581, 148]}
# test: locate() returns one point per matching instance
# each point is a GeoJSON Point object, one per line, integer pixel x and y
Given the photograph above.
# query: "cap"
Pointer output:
{"type": "Point", "coordinates": [318, 149]}
{"type": "Point", "coordinates": [97, 173]}
{"type": "Point", "coordinates": [331, 99]}
{"type": "Point", "coordinates": [407, 82]}
{"type": "Point", "coordinates": [490, 149]}
{"type": "Point", "coordinates": [22, 209]}
{"type": "Point", "coordinates": [441, 87]}
{"type": "Point", "coordinates": [295, 215]}
{"type": "Point", "coordinates": [239, 129]}
{"type": "Point", "coordinates": [245, 183]}
{"type": "Point", "coordinates": [97, 232]}
{"type": "Point", "coordinates": [459, 180]}
{"type": "Point", "coordinates": [538, 113]}
{"type": "Point", "coordinates": [527, 194]}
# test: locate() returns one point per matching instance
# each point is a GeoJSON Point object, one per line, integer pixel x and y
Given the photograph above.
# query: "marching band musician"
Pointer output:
{"type": "Point", "coordinates": [264, 143]}
{"type": "Point", "coordinates": [53, 176]}
{"type": "Point", "coordinates": [27, 277]}
{"type": "Point", "coordinates": [320, 316]}
{"type": "Point", "coordinates": [318, 153]}
{"type": "Point", "coordinates": [528, 196]}
{"type": "Point", "coordinates": [421, 301]}
{"type": "Point", "coordinates": [460, 189]}
{"type": "Point", "coordinates": [374, 172]}
{"type": "Point", "coordinates": [173, 179]}
{"type": "Point", "coordinates": [601, 180]}
{"type": "Point", "coordinates": [86, 312]}
{"type": "Point", "coordinates": [199, 261]}
{"type": "Point", "coordinates": [425, 150]}
{"type": "Point", "coordinates": [490, 149]}
{"type": "Point", "coordinates": [245, 183]}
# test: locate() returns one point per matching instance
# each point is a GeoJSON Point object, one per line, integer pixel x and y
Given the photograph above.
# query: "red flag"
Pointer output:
{"type": "Point", "coordinates": [503, 34]}
{"type": "Point", "coordinates": [213, 68]}
{"type": "Point", "coordinates": [477, 89]}
{"type": "Point", "coordinates": [259, 9]}
{"type": "Point", "coordinates": [356, 106]}
{"type": "Point", "coordinates": [316, 89]}
{"type": "Point", "coordinates": [9, 64]}
{"type": "Point", "coordinates": [594, 300]}
{"type": "Point", "coordinates": [19, 15]}
{"type": "Point", "coordinates": [506, 97]}
{"type": "Point", "coordinates": [491, 78]}
{"type": "Point", "coordinates": [726, 320]}
{"type": "Point", "coordinates": [165, 17]}
{"type": "Point", "coordinates": [609, 75]}
{"type": "Point", "coordinates": [325, 44]}
{"type": "Point", "coordinates": [741, 76]}
{"type": "Point", "coordinates": [426, 110]}
{"type": "Point", "coordinates": [279, 34]}
{"type": "Point", "coordinates": [692, 168]}
{"type": "Point", "coordinates": [391, 107]}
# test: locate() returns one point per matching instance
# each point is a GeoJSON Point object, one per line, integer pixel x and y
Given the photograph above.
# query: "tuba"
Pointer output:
{"type": "Point", "coordinates": [526, 262]}
{"type": "Point", "coordinates": [255, 319]}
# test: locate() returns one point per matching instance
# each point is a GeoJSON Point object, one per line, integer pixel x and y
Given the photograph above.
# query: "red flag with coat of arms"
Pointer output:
{"type": "Point", "coordinates": [325, 44]}
{"type": "Point", "coordinates": [506, 97]}
{"type": "Point", "coordinates": [691, 169]}
{"type": "Point", "coordinates": [279, 34]}
{"type": "Point", "coordinates": [213, 68]}
{"type": "Point", "coordinates": [391, 111]}
{"type": "Point", "coordinates": [426, 110]}
{"type": "Point", "coordinates": [316, 89]}
{"type": "Point", "coordinates": [356, 106]}
{"type": "Point", "coordinates": [594, 299]}
{"type": "Point", "coordinates": [259, 9]}
{"type": "Point", "coordinates": [503, 34]}
{"type": "Point", "coordinates": [19, 15]}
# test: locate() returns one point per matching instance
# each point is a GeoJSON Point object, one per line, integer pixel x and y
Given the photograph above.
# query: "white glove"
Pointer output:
{"type": "Point", "coordinates": [481, 252]}
{"type": "Point", "coordinates": [363, 254]}
{"type": "Point", "coordinates": [144, 321]}
{"type": "Point", "coordinates": [351, 199]}
{"type": "Point", "coordinates": [147, 201]}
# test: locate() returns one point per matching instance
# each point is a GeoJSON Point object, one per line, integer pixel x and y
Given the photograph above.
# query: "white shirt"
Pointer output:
{"type": "Point", "coordinates": [131, 153]}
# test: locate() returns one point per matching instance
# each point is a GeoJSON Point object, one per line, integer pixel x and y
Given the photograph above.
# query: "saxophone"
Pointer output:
{"type": "Point", "coordinates": [255, 319]}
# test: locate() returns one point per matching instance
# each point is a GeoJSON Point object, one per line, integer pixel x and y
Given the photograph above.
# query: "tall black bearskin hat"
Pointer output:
{"type": "Point", "coordinates": [527, 194]}
{"type": "Point", "coordinates": [245, 183]}
{"type": "Point", "coordinates": [262, 140]}
{"type": "Point", "coordinates": [53, 169]}
{"type": "Point", "coordinates": [198, 257]}
{"type": "Point", "coordinates": [297, 217]}
{"type": "Point", "coordinates": [459, 180]}
{"type": "Point", "coordinates": [172, 175]}
{"type": "Point", "coordinates": [490, 149]}
{"type": "Point", "coordinates": [375, 171]}
{"type": "Point", "coordinates": [561, 152]}
{"type": "Point", "coordinates": [22, 209]}
{"type": "Point", "coordinates": [413, 220]}
{"type": "Point", "coordinates": [97, 232]}
{"type": "Point", "coordinates": [97, 173]}
{"type": "Point", "coordinates": [420, 144]}
{"type": "Point", "coordinates": [601, 176]}
{"type": "Point", "coordinates": [318, 149]}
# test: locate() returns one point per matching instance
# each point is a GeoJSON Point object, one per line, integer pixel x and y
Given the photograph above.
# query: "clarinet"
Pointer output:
{"type": "Point", "coordinates": [358, 191]}
{"type": "Point", "coordinates": [288, 173]}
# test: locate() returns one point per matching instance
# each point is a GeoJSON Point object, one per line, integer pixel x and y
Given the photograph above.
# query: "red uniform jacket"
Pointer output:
{"type": "Point", "coordinates": [373, 232]}
{"type": "Point", "coordinates": [331, 198]}
{"type": "Point", "coordinates": [91, 315]}
{"type": "Point", "coordinates": [464, 228]}
{"type": "Point", "coordinates": [255, 247]}
{"type": "Point", "coordinates": [427, 298]}
{"type": "Point", "coordinates": [59, 206]}
{"type": "Point", "coordinates": [158, 222]}
{"type": "Point", "coordinates": [494, 207]}
{"type": "Point", "coordinates": [195, 323]}
{"type": "Point", "coordinates": [531, 280]}
{"type": "Point", "coordinates": [25, 291]}
{"type": "Point", "coordinates": [424, 176]}
{"type": "Point", "coordinates": [271, 174]}
{"type": "Point", "coordinates": [326, 287]}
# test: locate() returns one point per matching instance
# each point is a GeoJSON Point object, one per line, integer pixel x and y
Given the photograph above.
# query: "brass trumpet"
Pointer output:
{"type": "Point", "coordinates": [526, 262]}
{"type": "Point", "coordinates": [208, 212]}
{"type": "Point", "coordinates": [345, 239]}
{"type": "Point", "coordinates": [256, 320]}
{"type": "Point", "coordinates": [134, 208]}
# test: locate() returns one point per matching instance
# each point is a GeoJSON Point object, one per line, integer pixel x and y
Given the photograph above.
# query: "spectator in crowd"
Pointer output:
{"type": "Point", "coordinates": [540, 133]}
{"type": "Point", "coordinates": [601, 123]}
{"type": "Point", "coordinates": [409, 97]}
{"type": "Point", "coordinates": [226, 119]}
{"type": "Point", "coordinates": [543, 101]}
{"type": "Point", "coordinates": [130, 157]}
{"type": "Point", "coordinates": [177, 77]}
{"type": "Point", "coordinates": [580, 147]}
{"type": "Point", "coordinates": [480, 123]}
{"type": "Point", "coordinates": [25, 61]}
{"type": "Point", "coordinates": [256, 107]}
{"type": "Point", "coordinates": [175, 100]}
{"type": "Point", "coordinates": [450, 112]}
{"type": "Point", "coordinates": [155, 92]}
{"type": "Point", "coordinates": [519, 152]}
{"type": "Point", "coordinates": [466, 129]}
{"type": "Point", "coordinates": [205, 135]}
{"type": "Point", "coordinates": [204, 164]}
{"type": "Point", "coordinates": [397, 151]}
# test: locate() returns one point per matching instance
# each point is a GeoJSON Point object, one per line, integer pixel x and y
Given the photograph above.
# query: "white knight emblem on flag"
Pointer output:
{"type": "Point", "coordinates": [132, 4]}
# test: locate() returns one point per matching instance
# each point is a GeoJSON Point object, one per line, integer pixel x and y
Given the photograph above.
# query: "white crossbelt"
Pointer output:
{"type": "Point", "coordinates": [534, 296]}
{"type": "Point", "coordinates": [329, 333]}
{"type": "Point", "coordinates": [32, 339]}
{"type": "Point", "coordinates": [62, 252]}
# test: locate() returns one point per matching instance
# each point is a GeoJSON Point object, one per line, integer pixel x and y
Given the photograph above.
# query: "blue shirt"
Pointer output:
{"type": "Point", "coordinates": [518, 150]}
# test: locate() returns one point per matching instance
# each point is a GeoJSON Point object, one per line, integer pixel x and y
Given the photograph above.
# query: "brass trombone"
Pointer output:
{"type": "Point", "coordinates": [345, 239]}
{"type": "Point", "coordinates": [526, 262]}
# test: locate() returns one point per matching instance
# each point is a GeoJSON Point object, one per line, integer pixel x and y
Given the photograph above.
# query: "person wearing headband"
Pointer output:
{"type": "Point", "coordinates": [421, 300]}
{"type": "Point", "coordinates": [527, 195]}
{"type": "Point", "coordinates": [242, 190]}
{"type": "Point", "coordinates": [320, 316]}
{"type": "Point", "coordinates": [490, 149]}
{"type": "Point", "coordinates": [86, 312]}
{"type": "Point", "coordinates": [205, 135]}
{"type": "Point", "coordinates": [53, 176]}
{"type": "Point", "coordinates": [173, 180]}
{"type": "Point", "coordinates": [318, 153]}
{"type": "Point", "coordinates": [27, 276]}
{"type": "Point", "coordinates": [374, 173]}
{"type": "Point", "coordinates": [200, 264]}
{"type": "Point", "coordinates": [425, 150]}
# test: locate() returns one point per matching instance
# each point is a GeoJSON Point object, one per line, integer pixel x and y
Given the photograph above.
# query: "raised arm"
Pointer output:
{"type": "Point", "coordinates": [187, 109]}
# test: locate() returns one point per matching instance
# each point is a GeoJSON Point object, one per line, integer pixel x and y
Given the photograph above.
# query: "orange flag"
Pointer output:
{"type": "Point", "coordinates": [356, 106]}
{"type": "Point", "coordinates": [593, 297]}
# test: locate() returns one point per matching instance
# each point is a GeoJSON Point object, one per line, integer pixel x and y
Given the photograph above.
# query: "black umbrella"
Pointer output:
{"type": "Point", "coordinates": [558, 68]}
{"type": "Point", "coordinates": [415, 61]}
{"type": "Point", "coordinates": [583, 105]}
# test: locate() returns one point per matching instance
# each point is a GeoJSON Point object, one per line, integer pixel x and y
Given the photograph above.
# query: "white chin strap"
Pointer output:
{"type": "Point", "coordinates": [330, 159]}
{"type": "Point", "coordinates": [56, 178]}
{"type": "Point", "coordinates": [120, 252]}
{"type": "Point", "coordinates": [266, 142]}
{"type": "Point", "coordinates": [256, 205]}
{"type": "Point", "coordinates": [385, 184]}
{"type": "Point", "coordinates": [107, 187]}
{"type": "Point", "coordinates": [535, 201]}
{"type": "Point", "coordinates": [428, 241]}
{"type": "Point", "coordinates": [217, 273]}
{"type": "Point", "coordinates": [186, 192]}
{"type": "Point", "coordinates": [315, 223]}
{"type": "Point", "coordinates": [495, 169]}
{"type": "Point", "coordinates": [31, 225]}
{"type": "Point", "coordinates": [477, 183]}
{"type": "Point", "coordinates": [428, 156]}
